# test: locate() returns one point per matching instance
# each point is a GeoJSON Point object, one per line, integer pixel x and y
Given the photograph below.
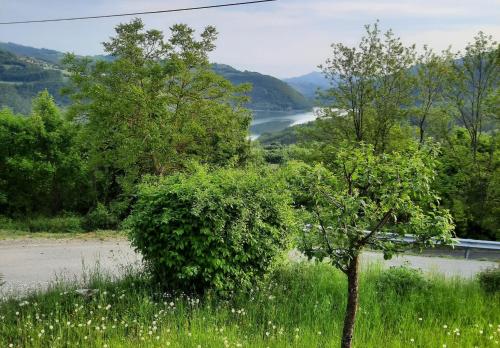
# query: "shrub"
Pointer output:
{"type": "Point", "coordinates": [58, 224]}
{"type": "Point", "coordinates": [11, 224]}
{"type": "Point", "coordinates": [100, 219]}
{"type": "Point", "coordinates": [490, 280]}
{"type": "Point", "coordinates": [219, 230]}
{"type": "Point", "coordinates": [401, 280]}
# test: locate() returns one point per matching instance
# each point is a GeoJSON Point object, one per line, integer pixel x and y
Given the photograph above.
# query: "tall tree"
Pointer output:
{"type": "Point", "coordinates": [429, 85]}
{"type": "Point", "coordinates": [472, 81]}
{"type": "Point", "coordinates": [155, 106]}
{"type": "Point", "coordinates": [372, 87]}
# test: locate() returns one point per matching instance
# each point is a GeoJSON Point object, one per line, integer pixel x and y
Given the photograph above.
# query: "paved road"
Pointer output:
{"type": "Point", "coordinates": [31, 264]}
{"type": "Point", "coordinates": [34, 264]}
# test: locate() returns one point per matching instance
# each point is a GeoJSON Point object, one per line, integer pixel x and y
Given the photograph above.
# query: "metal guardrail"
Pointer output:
{"type": "Point", "coordinates": [469, 244]}
{"type": "Point", "coordinates": [466, 244]}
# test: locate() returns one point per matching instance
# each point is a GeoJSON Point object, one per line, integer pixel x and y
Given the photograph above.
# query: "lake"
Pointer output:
{"type": "Point", "coordinates": [274, 121]}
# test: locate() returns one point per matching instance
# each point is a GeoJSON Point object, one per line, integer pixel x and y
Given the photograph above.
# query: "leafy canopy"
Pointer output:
{"type": "Point", "coordinates": [41, 169]}
{"type": "Point", "coordinates": [155, 106]}
{"type": "Point", "coordinates": [364, 199]}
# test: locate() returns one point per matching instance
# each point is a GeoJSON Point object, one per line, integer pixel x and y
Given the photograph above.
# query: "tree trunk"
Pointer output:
{"type": "Point", "coordinates": [352, 303]}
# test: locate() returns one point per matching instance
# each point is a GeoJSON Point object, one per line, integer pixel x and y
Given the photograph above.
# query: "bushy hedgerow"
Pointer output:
{"type": "Point", "coordinates": [217, 230]}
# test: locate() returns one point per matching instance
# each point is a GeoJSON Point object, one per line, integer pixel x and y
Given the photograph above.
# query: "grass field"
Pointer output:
{"type": "Point", "coordinates": [299, 305]}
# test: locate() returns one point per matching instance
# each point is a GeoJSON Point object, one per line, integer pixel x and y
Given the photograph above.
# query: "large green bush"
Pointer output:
{"type": "Point", "coordinates": [216, 230]}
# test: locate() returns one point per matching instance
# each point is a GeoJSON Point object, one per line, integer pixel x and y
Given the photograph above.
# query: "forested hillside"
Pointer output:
{"type": "Point", "coordinates": [268, 93]}
{"type": "Point", "coordinates": [22, 78]}
{"type": "Point", "coordinates": [28, 70]}
{"type": "Point", "coordinates": [43, 54]}
{"type": "Point", "coordinates": [46, 55]}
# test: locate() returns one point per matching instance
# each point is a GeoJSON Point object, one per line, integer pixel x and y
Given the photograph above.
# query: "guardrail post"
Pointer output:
{"type": "Point", "coordinates": [467, 253]}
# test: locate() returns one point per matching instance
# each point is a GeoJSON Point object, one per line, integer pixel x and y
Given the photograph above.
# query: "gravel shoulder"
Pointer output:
{"type": "Point", "coordinates": [28, 264]}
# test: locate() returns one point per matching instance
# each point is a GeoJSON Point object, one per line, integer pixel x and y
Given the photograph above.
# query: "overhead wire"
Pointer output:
{"type": "Point", "coordinates": [196, 8]}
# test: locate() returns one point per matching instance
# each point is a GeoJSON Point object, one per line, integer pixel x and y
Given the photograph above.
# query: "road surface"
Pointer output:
{"type": "Point", "coordinates": [34, 264]}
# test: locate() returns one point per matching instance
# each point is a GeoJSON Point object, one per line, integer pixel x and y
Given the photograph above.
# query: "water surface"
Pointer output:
{"type": "Point", "coordinates": [274, 121]}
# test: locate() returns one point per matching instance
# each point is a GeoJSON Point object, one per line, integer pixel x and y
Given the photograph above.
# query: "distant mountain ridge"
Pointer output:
{"type": "Point", "coordinates": [309, 84]}
{"type": "Point", "coordinates": [268, 93]}
{"type": "Point", "coordinates": [43, 54]}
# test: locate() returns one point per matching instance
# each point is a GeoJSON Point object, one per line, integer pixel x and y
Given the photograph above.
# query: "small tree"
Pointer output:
{"type": "Point", "coordinates": [367, 200]}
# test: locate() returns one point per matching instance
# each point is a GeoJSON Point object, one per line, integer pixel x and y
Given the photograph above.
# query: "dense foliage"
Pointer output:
{"type": "Point", "coordinates": [403, 140]}
{"type": "Point", "coordinates": [41, 168]}
{"type": "Point", "coordinates": [360, 197]}
{"type": "Point", "coordinates": [156, 106]}
{"type": "Point", "coordinates": [386, 95]}
{"type": "Point", "coordinates": [211, 230]}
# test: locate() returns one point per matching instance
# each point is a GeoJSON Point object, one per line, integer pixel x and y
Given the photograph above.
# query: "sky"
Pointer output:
{"type": "Point", "coordinates": [284, 38]}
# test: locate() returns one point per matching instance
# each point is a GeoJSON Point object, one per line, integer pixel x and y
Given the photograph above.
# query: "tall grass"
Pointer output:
{"type": "Point", "coordinates": [299, 305]}
{"type": "Point", "coordinates": [57, 224]}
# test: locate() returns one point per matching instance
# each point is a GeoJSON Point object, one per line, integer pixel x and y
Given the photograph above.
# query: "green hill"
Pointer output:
{"type": "Point", "coordinates": [268, 93]}
{"type": "Point", "coordinates": [24, 71]}
{"type": "Point", "coordinates": [43, 54]}
{"type": "Point", "coordinates": [21, 78]}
